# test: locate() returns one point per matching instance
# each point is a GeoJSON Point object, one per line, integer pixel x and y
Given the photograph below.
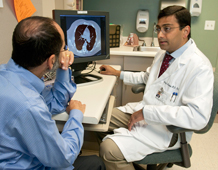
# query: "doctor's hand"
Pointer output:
{"type": "Point", "coordinates": [135, 117]}
{"type": "Point", "coordinates": [75, 104]}
{"type": "Point", "coordinates": [108, 70]}
{"type": "Point", "coordinates": [66, 58]}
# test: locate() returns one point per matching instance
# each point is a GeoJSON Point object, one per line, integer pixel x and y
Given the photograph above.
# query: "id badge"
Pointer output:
{"type": "Point", "coordinates": [161, 95]}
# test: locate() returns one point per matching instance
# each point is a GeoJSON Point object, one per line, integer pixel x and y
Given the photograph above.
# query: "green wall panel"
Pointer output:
{"type": "Point", "coordinates": [123, 12]}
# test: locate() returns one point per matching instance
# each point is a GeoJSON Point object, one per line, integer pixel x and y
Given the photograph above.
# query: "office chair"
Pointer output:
{"type": "Point", "coordinates": [181, 156]}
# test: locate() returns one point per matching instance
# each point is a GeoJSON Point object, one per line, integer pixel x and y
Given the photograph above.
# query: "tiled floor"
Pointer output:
{"type": "Point", "coordinates": [204, 147]}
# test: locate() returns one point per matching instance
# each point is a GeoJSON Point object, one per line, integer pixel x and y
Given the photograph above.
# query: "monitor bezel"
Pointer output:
{"type": "Point", "coordinates": [56, 16]}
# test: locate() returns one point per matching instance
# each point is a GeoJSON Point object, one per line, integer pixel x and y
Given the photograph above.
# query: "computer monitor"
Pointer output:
{"type": "Point", "coordinates": [87, 36]}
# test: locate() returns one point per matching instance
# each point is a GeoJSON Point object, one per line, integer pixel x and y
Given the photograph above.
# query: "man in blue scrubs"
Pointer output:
{"type": "Point", "coordinates": [29, 138]}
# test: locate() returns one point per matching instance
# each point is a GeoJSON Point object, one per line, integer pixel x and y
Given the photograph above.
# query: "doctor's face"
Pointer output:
{"type": "Point", "coordinates": [170, 36]}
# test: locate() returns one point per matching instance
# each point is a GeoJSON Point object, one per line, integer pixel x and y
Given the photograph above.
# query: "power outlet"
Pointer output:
{"type": "Point", "coordinates": [209, 25]}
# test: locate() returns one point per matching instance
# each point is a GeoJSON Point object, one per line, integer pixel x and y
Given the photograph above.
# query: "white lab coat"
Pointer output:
{"type": "Point", "coordinates": [191, 77]}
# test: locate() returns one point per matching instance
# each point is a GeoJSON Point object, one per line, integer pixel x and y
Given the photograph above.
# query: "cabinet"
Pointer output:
{"type": "Point", "coordinates": [69, 4]}
{"type": "Point", "coordinates": [124, 94]}
{"type": "Point", "coordinates": [134, 63]}
{"type": "Point", "coordinates": [115, 60]}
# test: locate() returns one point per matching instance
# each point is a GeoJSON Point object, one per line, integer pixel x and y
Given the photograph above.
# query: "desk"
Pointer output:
{"type": "Point", "coordinates": [98, 99]}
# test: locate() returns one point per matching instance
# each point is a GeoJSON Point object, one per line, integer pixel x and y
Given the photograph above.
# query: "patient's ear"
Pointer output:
{"type": "Point", "coordinates": [51, 61]}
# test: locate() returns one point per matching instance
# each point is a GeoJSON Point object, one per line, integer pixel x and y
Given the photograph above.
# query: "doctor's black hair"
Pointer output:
{"type": "Point", "coordinates": [34, 40]}
{"type": "Point", "coordinates": [182, 15]}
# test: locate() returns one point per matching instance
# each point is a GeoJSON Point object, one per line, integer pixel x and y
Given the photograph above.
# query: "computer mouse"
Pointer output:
{"type": "Point", "coordinates": [103, 69]}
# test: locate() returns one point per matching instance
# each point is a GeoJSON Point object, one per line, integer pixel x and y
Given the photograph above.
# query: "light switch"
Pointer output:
{"type": "Point", "coordinates": [209, 25]}
{"type": "Point", "coordinates": [1, 3]}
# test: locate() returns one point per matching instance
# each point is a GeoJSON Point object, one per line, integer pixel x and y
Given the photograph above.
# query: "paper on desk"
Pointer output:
{"type": "Point", "coordinates": [23, 9]}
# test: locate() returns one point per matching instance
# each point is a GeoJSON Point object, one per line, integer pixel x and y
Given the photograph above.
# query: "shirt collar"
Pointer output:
{"type": "Point", "coordinates": [179, 52]}
{"type": "Point", "coordinates": [37, 83]}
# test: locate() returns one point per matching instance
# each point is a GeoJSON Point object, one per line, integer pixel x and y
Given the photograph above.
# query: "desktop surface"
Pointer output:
{"type": "Point", "coordinates": [95, 96]}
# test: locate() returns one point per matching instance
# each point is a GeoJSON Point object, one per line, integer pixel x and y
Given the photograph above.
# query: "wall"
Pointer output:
{"type": "Point", "coordinates": [124, 12]}
{"type": "Point", "coordinates": [47, 7]}
{"type": "Point", "coordinates": [8, 22]}
{"type": "Point", "coordinates": [207, 41]}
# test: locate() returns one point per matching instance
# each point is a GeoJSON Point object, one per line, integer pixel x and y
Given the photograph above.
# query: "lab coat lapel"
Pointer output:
{"type": "Point", "coordinates": [171, 70]}
{"type": "Point", "coordinates": [153, 76]}
{"type": "Point", "coordinates": [177, 63]}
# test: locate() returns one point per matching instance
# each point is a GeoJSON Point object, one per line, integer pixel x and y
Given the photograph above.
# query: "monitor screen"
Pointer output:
{"type": "Point", "coordinates": [86, 34]}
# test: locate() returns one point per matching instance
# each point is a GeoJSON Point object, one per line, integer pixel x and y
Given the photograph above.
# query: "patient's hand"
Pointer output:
{"type": "Point", "coordinates": [75, 104]}
{"type": "Point", "coordinates": [66, 59]}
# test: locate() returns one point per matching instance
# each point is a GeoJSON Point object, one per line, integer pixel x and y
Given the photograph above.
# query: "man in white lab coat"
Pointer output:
{"type": "Point", "coordinates": [181, 96]}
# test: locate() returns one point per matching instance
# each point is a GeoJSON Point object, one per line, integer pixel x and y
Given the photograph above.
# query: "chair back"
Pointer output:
{"type": "Point", "coordinates": [214, 108]}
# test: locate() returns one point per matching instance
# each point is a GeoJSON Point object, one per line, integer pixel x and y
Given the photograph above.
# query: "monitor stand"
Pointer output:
{"type": "Point", "coordinates": [87, 79]}
{"type": "Point", "coordinates": [81, 78]}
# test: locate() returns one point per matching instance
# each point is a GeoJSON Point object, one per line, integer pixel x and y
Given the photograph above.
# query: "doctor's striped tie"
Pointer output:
{"type": "Point", "coordinates": [165, 64]}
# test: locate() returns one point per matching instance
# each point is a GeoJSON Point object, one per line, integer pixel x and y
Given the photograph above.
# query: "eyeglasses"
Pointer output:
{"type": "Point", "coordinates": [165, 29]}
{"type": "Point", "coordinates": [66, 48]}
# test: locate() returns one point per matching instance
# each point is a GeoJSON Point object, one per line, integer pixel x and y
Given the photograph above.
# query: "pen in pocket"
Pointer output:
{"type": "Point", "coordinates": [173, 97]}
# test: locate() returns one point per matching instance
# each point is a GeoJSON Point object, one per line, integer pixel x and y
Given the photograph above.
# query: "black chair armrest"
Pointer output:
{"type": "Point", "coordinates": [175, 129]}
{"type": "Point", "coordinates": [138, 88]}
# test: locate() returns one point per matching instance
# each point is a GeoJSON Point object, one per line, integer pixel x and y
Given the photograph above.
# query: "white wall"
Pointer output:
{"type": "Point", "coordinates": [8, 22]}
{"type": "Point", "coordinates": [47, 7]}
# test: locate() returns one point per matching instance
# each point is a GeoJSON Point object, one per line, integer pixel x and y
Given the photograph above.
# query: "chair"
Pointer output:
{"type": "Point", "coordinates": [181, 156]}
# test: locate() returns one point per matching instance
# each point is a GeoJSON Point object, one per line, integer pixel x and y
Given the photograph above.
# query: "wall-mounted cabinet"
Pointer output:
{"type": "Point", "coordinates": [124, 94]}
{"type": "Point", "coordinates": [165, 3]}
{"type": "Point", "coordinates": [69, 4]}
